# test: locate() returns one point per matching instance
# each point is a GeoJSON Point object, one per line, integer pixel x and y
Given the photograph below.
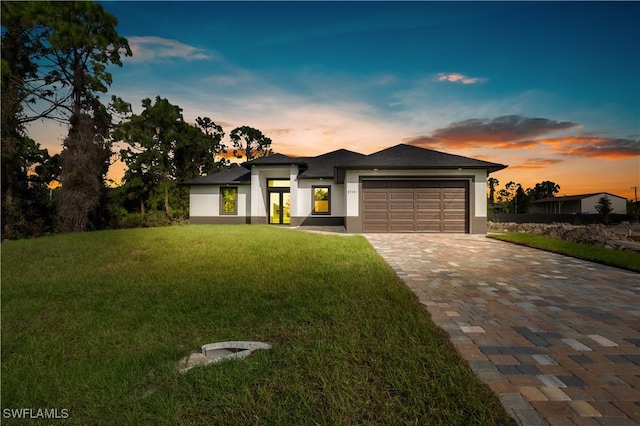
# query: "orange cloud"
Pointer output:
{"type": "Point", "coordinates": [590, 146]}
{"type": "Point", "coordinates": [508, 128]}
{"type": "Point", "coordinates": [474, 142]}
{"type": "Point", "coordinates": [505, 132]}
{"type": "Point", "coordinates": [517, 132]}
{"type": "Point", "coordinates": [537, 163]}
{"type": "Point", "coordinates": [279, 131]}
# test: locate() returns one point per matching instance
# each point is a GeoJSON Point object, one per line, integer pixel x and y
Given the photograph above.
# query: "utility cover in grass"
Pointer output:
{"type": "Point", "coordinates": [212, 353]}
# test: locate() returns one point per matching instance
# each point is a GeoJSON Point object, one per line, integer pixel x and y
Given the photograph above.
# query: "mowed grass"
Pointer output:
{"type": "Point", "coordinates": [606, 256]}
{"type": "Point", "coordinates": [96, 322]}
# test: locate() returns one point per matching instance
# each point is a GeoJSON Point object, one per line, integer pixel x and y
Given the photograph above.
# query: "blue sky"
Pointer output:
{"type": "Point", "coordinates": [550, 88]}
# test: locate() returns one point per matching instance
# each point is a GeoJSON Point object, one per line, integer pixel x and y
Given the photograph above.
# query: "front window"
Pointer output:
{"type": "Point", "coordinates": [278, 183]}
{"type": "Point", "coordinates": [321, 200]}
{"type": "Point", "coordinates": [229, 200]}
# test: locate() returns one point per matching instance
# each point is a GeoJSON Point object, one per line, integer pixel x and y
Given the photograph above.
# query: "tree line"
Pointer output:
{"type": "Point", "coordinates": [55, 59]}
{"type": "Point", "coordinates": [513, 198]}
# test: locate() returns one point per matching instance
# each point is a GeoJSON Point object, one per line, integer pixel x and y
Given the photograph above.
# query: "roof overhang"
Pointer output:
{"type": "Point", "coordinates": [341, 171]}
{"type": "Point", "coordinates": [234, 176]}
{"type": "Point", "coordinates": [229, 183]}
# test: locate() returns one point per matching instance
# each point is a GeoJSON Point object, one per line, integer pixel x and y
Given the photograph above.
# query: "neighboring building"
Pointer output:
{"type": "Point", "coordinates": [574, 204]}
{"type": "Point", "coordinates": [399, 189]}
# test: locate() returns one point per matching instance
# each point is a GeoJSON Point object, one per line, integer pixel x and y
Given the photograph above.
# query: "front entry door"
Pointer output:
{"type": "Point", "coordinates": [279, 208]}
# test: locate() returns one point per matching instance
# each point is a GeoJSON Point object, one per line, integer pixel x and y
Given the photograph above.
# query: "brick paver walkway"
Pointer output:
{"type": "Point", "coordinates": [557, 339]}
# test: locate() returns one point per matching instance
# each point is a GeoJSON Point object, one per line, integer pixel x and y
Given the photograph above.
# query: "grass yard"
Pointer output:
{"type": "Point", "coordinates": [95, 323]}
{"type": "Point", "coordinates": [606, 256]}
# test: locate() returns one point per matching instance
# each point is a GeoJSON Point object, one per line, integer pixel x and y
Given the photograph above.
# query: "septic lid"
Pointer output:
{"type": "Point", "coordinates": [215, 352]}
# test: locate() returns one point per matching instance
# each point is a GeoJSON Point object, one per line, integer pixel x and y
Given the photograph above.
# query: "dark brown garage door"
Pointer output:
{"type": "Point", "coordinates": [414, 206]}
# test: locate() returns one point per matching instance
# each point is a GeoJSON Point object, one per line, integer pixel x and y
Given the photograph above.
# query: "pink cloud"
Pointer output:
{"type": "Point", "coordinates": [154, 48]}
{"type": "Point", "coordinates": [460, 78]}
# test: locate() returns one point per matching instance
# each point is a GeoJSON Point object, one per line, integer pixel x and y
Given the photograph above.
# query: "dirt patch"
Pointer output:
{"type": "Point", "coordinates": [623, 236]}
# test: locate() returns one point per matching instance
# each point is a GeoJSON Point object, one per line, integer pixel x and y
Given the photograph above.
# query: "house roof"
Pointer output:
{"type": "Point", "coordinates": [572, 197]}
{"type": "Point", "coordinates": [323, 166]}
{"type": "Point", "coordinates": [335, 163]}
{"type": "Point", "coordinates": [274, 160]}
{"type": "Point", "coordinates": [412, 157]}
{"type": "Point", "coordinates": [236, 175]}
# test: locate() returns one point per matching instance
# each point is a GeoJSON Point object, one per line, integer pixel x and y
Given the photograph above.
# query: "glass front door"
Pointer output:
{"type": "Point", "coordinates": [280, 208]}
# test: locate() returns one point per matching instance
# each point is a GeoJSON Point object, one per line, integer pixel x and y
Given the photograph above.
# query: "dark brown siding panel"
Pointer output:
{"type": "Point", "coordinates": [414, 206]}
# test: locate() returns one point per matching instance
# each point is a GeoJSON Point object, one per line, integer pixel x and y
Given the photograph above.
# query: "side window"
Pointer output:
{"type": "Point", "coordinates": [229, 200]}
{"type": "Point", "coordinates": [321, 199]}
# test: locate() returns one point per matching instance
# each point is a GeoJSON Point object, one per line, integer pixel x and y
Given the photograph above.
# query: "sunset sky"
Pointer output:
{"type": "Point", "coordinates": [551, 89]}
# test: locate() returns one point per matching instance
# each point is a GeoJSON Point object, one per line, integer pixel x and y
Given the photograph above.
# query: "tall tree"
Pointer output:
{"type": "Point", "coordinates": [151, 137]}
{"type": "Point", "coordinates": [200, 150]}
{"type": "Point", "coordinates": [85, 161]}
{"type": "Point", "coordinates": [19, 152]}
{"type": "Point", "coordinates": [492, 183]}
{"type": "Point", "coordinates": [69, 46]}
{"type": "Point", "coordinates": [545, 189]}
{"type": "Point", "coordinates": [163, 149]}
{"type": "Point", "coordinates": [250, 143]}
{"type": "Point", "coordinates": [521, 200]}
{"type": "Point", "coordinates": [505, 197]}
{"type": "Point", "coordinates": [84, 43]}
{"type": "Point", "coordinates": [513, 198]}
{"type": "Point", "coordinates": [24, 39]}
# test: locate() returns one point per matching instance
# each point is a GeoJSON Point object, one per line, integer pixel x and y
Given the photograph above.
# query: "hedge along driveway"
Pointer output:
{"type": "Point", "coordinates": [96, 323]}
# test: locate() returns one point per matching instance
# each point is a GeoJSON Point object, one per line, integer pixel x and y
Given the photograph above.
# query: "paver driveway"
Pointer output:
{"type": "Point", "coordinates": [558, 339]}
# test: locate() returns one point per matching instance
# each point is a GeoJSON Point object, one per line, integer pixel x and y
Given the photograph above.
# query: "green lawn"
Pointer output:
{"type": "Point", "coordinates": [606, 256]}
{"type": "Point", "coordinates": [96, 322]}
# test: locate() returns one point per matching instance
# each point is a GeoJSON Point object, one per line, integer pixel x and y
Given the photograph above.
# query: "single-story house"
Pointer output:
{"type": "Point", "coordinates": [399, 189]}
{"type": "Point", "coordinates": [574, 204]}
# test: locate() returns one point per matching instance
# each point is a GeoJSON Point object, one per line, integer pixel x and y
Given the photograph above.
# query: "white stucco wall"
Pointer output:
{"type": "Point", "coordinates": [305, 197]}
{"type": "Point", "coordinates": [480, 185]}
{"type": "Point", "coordinates": [204, 200]}
{"type": "Point", "coordinates": [293, 176]}
{"type": "Point", "coordinates": [259, 176]}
